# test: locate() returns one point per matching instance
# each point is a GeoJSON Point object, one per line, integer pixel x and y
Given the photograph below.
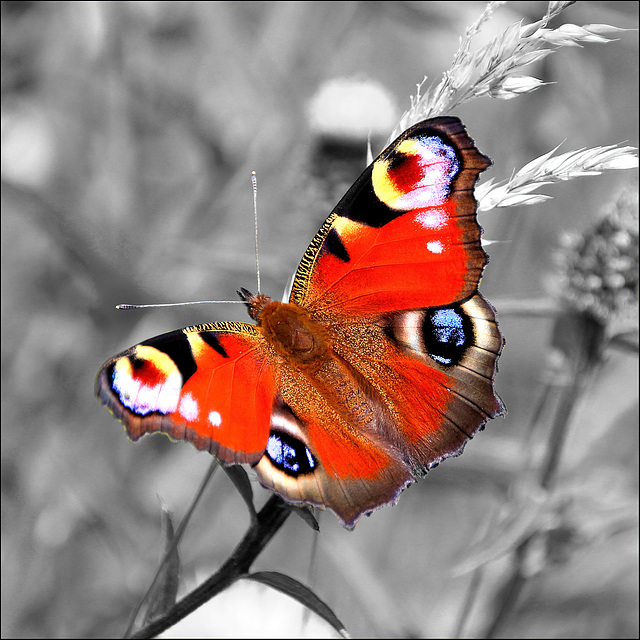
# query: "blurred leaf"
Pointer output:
{"type": "Point", "coordinates": [528, 510]}
{"type": "Point", "coordinates": [163, 594]}
{"type": "Point", "coordinates": [307, 515]}
{"type": "Point", "coordinates": [241, 482]}
{"type": "Point", "coordinates": [296, 590]}
{"type": "Point", "coordinates": [171, 553]}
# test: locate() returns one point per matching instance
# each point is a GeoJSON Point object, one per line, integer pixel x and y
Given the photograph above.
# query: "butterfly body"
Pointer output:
{"type": "Point", "coordinates": [379, 366]}
{"type": "Point", "coordinates": [290, 331]}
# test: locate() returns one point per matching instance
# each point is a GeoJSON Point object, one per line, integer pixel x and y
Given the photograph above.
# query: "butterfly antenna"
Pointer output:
{"type": "Point", "coordinates": [175, 304]}
{"type": "Point", "coordinates": [254, 186]}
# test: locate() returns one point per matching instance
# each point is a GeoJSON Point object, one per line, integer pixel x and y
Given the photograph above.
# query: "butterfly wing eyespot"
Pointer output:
{"type": "Point", "coordinates": [449, 354]}
{"type": "Point", "coordinates": [201, 384]}
{"type": "Point", "coordinates": [308, 463]}
{"type": "Point", "coordinates": [405, 236]}
{"type": "Point", "coordinates": [289, 455]}
{"type": "Point", "coordinates": [379, 367]}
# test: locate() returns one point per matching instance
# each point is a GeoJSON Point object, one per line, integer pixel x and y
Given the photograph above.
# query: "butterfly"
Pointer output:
{"type": "Point", "coordinates": [381, 364]}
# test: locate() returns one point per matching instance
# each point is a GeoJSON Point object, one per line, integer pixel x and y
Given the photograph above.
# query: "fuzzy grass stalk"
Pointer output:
{"type": "Point", "coordinates": [549, 169]}
{"type": "Point", "coordinates": [498, 68]}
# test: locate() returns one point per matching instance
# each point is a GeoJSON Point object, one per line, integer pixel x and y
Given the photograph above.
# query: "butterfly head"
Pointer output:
{"type": "Point", "coordinates": [256, 302]}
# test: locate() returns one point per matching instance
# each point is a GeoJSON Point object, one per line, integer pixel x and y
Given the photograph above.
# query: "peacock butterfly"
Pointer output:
{"type": "Point", "coordinates": [379, 366]}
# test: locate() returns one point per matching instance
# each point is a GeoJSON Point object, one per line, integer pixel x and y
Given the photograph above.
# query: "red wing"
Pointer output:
{"type": "Point", "coordinates": [330, 464]}
{"type": "Point", "coordinates": [397, 397]}
{"type": "Point", "coordinates": [405, 235]}
{"type": "Point", "coordinates": [438, 370]}
{"type": "Point", "coordinates": [212, 385]}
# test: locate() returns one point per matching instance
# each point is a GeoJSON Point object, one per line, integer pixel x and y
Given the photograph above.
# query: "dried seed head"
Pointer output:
{"type": "Point", "coordinates": [599, 269]}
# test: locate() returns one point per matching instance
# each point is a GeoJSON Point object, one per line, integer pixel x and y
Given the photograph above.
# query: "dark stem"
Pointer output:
{"type": "Point", "coordinates": [581, 338]}
{"type": "Point", "coordinates": [270, 518]}
{"type": "Point", "coordinates": [558, 435]}
{"type": "Point", "coordinates": [510, 591]}
{"type": "Point", "coordinates": [467, 605]}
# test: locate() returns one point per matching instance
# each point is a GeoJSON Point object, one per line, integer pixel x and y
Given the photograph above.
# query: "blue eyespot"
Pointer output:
{"type": "Point", "coordinates": [436, 146]}
{"type": "Point", "coordinates": [289, 454]}
{"type": "Point", "coordinates": [447, 334]}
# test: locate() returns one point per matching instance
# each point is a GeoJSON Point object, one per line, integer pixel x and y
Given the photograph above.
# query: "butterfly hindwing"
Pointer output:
{"type": "Point", "coordinates": [392, 401]}
{"type": "Point", "coordinates": [441, 362]}
{"type": "Point", "coordinates": [331, 463]}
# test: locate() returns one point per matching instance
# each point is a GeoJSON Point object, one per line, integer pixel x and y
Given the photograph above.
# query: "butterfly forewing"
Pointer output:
{"type": "Point", "coordinates": [405, 236]}
{"type": "Point", "coordinates": [212, 385]}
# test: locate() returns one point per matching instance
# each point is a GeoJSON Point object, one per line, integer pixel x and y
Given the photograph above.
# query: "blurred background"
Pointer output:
{"type": "Point", "coordinates": [129, 131]}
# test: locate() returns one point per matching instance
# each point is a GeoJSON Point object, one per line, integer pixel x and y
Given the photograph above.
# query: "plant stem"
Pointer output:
{"type": "Point", "coordinates": [270, 518]}
{"type": "Point", "coordinates": [581, 339]}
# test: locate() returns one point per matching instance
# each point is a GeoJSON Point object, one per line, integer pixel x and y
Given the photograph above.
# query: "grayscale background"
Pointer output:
{"type": "Point", "coordinates": [129, 131]}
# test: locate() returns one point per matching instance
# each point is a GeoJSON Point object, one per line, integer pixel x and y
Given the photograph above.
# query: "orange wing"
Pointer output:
{"type": "Point", "coordinates": [391, 279]}
{"type": "Point", "coordinates": [405, 235]}
{"type": "Point", "coordinates": [212, 385]}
